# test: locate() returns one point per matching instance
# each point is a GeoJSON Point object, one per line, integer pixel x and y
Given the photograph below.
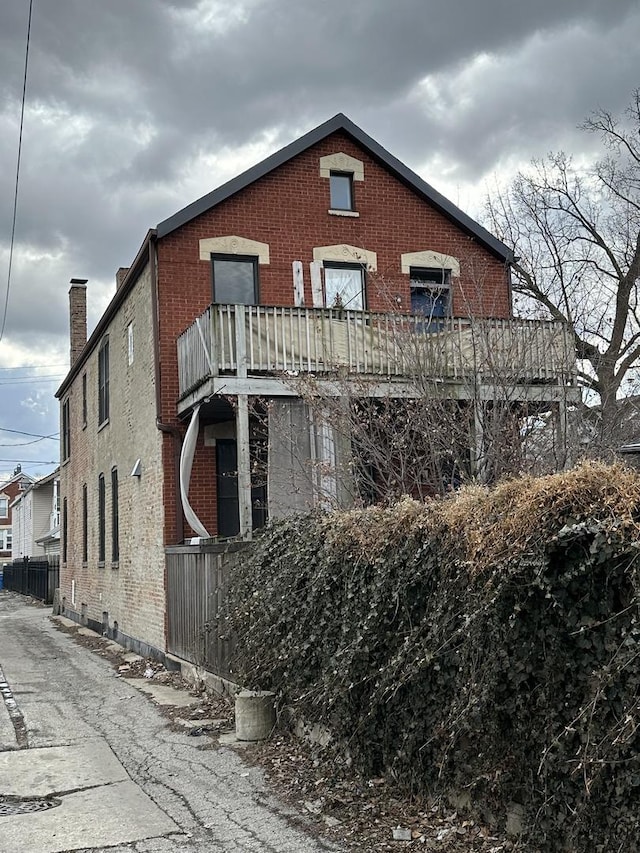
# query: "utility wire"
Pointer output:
{"type": "Point", "coordinates": [32, 434]}
{"type": "Point", "coordinates": [15, 197]}
{"type": "Point", "coordinates": [34, 367]}
{"type": "Point", "coordinates": [32, 380]}
{"type": "Point", "coordinates": [25, 443]}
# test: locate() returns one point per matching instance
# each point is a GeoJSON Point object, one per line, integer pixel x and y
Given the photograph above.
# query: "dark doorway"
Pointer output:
{"type": "Point", "coordinates": [227, 487]}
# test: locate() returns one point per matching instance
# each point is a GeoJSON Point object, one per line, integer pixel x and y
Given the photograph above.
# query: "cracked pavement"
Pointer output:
{"type": "Point", "coordinates": [125, 781]}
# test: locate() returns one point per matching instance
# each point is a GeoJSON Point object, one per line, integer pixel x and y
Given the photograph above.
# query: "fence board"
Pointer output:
{"type": "Point", "coordinates": [197, 587]}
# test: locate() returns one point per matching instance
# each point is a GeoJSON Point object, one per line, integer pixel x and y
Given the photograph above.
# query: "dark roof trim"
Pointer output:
{"type": "Point", "coordinates": [339, 123]}
{"type": "Point", "coordinates": [131, 277]}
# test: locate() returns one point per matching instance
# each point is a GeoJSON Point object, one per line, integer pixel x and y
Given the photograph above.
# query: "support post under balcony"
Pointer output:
{"type": "Point", "coordinates": [244, 466]}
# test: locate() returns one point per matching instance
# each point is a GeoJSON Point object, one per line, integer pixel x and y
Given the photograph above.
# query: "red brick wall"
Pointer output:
{"type": "Point", "coordinates": [10, 490]}
{"type": "Point", "coordinates": [288, 209]}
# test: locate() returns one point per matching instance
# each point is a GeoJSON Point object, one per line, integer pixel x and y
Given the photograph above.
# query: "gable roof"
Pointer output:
{"type": "Point", "coordinates": [339, 123]}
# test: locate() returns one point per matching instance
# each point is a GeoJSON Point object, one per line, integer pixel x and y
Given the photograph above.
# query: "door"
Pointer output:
{"type": "Point", "coordinates": [227, 487]}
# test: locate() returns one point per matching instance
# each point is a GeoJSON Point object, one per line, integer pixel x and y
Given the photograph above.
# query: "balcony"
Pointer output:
{"type": "Point", "coordinates": [259, 349]}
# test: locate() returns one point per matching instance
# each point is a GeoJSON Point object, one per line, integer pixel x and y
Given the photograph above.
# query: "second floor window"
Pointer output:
{"type": "Point", "coordinates": [235, 279]}
{"type": "Point", "coordinates": [66, 431]}
{"type": "Point", "coordinates": [4, 507]}
{"type": "Point", "coordinates": [103, 382]}
{"type": "Point", "coordinates": [431, 293]}
{"type": "Point", "coordinates": [344, 286]}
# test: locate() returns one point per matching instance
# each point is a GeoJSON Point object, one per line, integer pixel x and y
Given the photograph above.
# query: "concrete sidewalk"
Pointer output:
{"type": "Point", "coordinates": [120, 779]}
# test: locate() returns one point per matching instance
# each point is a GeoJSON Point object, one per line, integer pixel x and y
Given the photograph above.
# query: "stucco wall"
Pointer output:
{"type": "Point", "coordinates": [131, 591]}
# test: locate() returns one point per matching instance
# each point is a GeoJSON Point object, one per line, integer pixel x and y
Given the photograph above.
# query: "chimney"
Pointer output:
{"type": "Point", "coordinates": [77, 317]}
{"type": "Point", "coordinates": [120, 276]}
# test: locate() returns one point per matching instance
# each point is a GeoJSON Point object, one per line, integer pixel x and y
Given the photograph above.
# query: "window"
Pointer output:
{"type": "Point", "coordinates": [235, 279]}
{"type": "Point", "coordinates": [64, 530]}
{"type": "Point", "coordinates": [115, 531]}
{"type": "Point", "coordinates": [341, 190]}
{"type": "Point", "coordinates": [103, 382]}
{"type": "Point", "coordinates": [130, 344]}
{"type": "Point", "coordinates": [431, 292]}
{"type": "Point", "coordinates": [4, 507]}
{"type": "Point", "coordinates": [101, 518]}
{"type": "Point", "coordinates": [5, 539]}
{"type": "Point", "coordinates": [85, 524]}
{"type": "Point", "coordinates": [344, 286]}
{"type": "Point", "coordinates": [66, 431]}
{"type": "Point", "coordinates": [84, 399]}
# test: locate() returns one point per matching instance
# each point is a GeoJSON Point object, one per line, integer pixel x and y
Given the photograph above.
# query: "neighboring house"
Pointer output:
{"type": "Point", "coordinates": [36, 519]}
{"type": "Point", "coordinates": [302, 264]}
{"type": "Point", "coordinates": [9, 490]}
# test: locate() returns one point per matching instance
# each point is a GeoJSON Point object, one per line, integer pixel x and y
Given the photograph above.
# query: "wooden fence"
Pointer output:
{"type": "Point", "coordinates": [197, 584]}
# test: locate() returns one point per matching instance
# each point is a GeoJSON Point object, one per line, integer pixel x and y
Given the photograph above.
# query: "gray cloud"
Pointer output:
{"type": "Point", "coordinates": [135, 109]}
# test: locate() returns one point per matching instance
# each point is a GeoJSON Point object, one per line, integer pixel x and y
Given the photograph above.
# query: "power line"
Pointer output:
{"type": "Point", "coordinates": [34, 366]}
{"type": "Point", "coordinates": [31, 462]}
{"type": "Point", "coordinates": [25, 443]}
{"type": "Point", "coordinates": [32, 434]}
{"type": "Point", "coordinates": [15, 197]}
{"type": "Point", "coordinates": [32, 380]}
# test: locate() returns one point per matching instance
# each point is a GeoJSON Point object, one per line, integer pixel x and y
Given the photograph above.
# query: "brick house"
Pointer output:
{"type": "Point", "coordinates": [9, 490]}
{"type": "Point", "coordinates": [295, 266]}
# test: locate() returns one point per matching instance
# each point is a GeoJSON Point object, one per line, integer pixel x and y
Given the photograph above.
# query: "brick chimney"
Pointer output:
{"type": "Point", "coordinates": [77, 317]}
{"type": "Point", "coordinates": [120, 276]}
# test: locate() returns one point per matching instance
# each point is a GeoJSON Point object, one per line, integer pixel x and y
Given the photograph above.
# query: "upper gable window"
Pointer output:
{"type": "Point", "coordinates": [235, 279]}
{"type": "Point", "coordinates": [342, 171]}
{"type": "Point", "coordinates": [66, 431]}
{"type": "Point", "coordinates": [341, 190]}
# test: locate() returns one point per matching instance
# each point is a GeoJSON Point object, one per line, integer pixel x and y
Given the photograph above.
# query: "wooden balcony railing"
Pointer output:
{"type": "Point", "coordinates": [258, 340]}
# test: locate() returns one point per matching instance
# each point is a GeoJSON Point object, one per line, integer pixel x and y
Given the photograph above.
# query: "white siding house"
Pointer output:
{"type": "Point", "coordinates": [36, 527]}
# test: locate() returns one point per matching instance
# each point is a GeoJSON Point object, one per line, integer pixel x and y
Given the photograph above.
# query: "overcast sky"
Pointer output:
{"type": "Point", "coordinates": [137, 107]}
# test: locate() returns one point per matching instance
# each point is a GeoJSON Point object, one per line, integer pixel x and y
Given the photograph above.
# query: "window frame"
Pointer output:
{"type": "Point", "coordinates": [65, 529]}
{"type": "Point", "coordinates": [85, 523]}
{"type": "Point", "coordinates": [249, 259]}
{"type": "Point", "coordinates": [84, 400]}
{"type": "Point", "coordinates": [115, 518]}
{"type": "Point", "coordinates": [337, 174]}
{"type": "Point", "coordinates": [433, 287]}
{"type": "Point", "coordinates": [130, 344]}
{"type": "Point", "coordinates": [4, 500]}
{"type": "Point", "coordinates": [66, 430]}
{"type": "Point", "coordinates": [103, 382]}
{"type": "Point", "coordinates": [102, 507]}
{"type": "Point", "coordinates": [338, 265]}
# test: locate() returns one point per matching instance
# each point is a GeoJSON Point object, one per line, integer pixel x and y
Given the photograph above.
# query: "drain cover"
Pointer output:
{"type": "Point", "coordinates": [26, 805]}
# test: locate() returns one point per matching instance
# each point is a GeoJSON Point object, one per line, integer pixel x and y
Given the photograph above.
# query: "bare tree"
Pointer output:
{"type": "Point", "coordinates": [576, 234]}
{"type": "Point", "coordinates": [461, 411]}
